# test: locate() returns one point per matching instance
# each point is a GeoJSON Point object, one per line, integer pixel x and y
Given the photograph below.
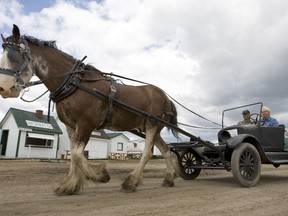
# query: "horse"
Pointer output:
{"type": "Point", "coordinates": [85, 100]}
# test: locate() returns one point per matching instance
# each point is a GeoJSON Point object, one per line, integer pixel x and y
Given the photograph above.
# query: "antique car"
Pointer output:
{"type": "Point", "coordinates": [240, 149]}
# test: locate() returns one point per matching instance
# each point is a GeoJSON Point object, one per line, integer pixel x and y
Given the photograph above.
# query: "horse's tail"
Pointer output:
{"type": "Point", "coordinates": [173, 120]}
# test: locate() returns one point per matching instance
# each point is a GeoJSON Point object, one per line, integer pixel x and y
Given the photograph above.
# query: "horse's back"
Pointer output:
{"type": "Point", "coordinates": [148, 98]}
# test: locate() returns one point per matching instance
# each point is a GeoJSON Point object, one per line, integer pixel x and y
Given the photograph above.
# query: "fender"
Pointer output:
{"type": "Point", "coordinates": [235, 141]}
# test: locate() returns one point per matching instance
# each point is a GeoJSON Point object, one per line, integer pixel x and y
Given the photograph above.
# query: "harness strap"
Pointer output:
{"type": "Point", "coordinates": [114, 94]}
{"type": "Point", "coordinates": [66, 88]}
{"type": "Point", "coordinates": [28, 56]}
{"type": "Point", "coordinates": [7, 71]}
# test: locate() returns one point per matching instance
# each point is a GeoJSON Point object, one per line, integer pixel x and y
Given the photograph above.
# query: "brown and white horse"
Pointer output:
{"type": "Point", "coordinates": [81, 111]}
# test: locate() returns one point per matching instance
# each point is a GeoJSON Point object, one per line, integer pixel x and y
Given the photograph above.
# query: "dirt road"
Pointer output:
{"type": "Point", "coordinates": [27, 189]}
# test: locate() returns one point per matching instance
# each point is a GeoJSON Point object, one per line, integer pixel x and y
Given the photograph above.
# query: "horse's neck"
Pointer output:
{"type": "Point", "coordinates": [52, 67]}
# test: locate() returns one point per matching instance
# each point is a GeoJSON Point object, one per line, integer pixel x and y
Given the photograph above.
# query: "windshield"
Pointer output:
{"type": "Point", "coordinates": [233, 116]}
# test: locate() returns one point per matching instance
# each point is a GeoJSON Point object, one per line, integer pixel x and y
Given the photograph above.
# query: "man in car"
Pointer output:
{"type": "Point", "coordinates": [246, 118]}
{"type": "Point", "coordinates": [268, 121]}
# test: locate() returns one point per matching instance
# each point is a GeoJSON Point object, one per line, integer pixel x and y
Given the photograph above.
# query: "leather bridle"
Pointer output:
{"type": "Point", "coordinates": [15, 53]}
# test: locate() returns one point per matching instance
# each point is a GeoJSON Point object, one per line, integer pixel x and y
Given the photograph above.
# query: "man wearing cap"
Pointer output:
{"type": "Point", "coordinates": [268, 121]}
{"type": "Point", "coordinates": [246, 118]}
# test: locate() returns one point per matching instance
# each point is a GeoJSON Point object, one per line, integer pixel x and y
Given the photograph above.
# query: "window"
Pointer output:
{"type": "Point", "coordinates": [135, 145]}
{"type": "Point", "coordinates": [39, 140]}
{"type": "Point", "coordinates": [119, 146]}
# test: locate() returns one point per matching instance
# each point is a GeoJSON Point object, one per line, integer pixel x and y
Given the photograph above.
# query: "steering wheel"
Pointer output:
{"type": "Point", "coordinates": [255, 118]}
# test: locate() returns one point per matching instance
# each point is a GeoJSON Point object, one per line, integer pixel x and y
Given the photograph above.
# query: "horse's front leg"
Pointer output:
{"type": "Point", "coordinates": [81, 171]}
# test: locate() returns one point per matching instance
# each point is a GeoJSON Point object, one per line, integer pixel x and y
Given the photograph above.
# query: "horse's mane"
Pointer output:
{"type": "Point", "coordinates": [91, 68]}
{"type": "Point", "coordinates": [38, 42]}
{"type": "Point", "coordinates": [48, 43]}
{"type": "Point", "coordinates": [52, 43]}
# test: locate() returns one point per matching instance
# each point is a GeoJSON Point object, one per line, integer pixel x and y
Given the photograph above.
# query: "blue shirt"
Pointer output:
{"type": "Point", "coordinates": [270, 122]}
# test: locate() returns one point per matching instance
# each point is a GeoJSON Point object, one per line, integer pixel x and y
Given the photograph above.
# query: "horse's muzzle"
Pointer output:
{"type": "Point", "coordinates": [12, 92]}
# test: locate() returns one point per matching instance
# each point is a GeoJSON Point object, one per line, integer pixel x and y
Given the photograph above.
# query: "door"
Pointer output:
{"type": "Point", "coordinates": [3, 143]}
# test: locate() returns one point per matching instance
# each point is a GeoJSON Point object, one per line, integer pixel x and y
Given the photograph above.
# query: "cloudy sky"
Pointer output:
{"type": "Point", "coordinates": [208, 55]}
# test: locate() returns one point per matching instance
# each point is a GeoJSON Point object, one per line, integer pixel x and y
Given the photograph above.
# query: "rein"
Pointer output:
{"type": "Point", "coordinates": [30, 101]}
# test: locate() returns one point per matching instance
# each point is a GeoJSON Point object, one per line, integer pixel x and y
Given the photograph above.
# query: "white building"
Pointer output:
{"type": "Point", "coordinates": [30, 135]}
{"type": "Point", "coordinates": [101, 145]}
{"type": "Point", "coordinates": [27, 134]}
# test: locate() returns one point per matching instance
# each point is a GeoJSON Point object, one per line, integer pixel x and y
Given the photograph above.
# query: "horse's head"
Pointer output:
{"type": "Point", "coordinates": [15, 68]}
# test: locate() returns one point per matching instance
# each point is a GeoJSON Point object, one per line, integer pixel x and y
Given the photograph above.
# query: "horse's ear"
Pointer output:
{"type": "Point", "coordinates": [3, 38]}
{"type": "Point", "coordinates": [16, 33]}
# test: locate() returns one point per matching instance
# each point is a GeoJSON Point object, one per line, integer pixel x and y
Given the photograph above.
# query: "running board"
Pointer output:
{"type": "Point", "coordinates": [277, 157]}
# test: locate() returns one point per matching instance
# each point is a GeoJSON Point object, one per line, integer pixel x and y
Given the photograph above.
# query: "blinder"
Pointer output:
{"type": "Point", "coordinates": [15, 54]}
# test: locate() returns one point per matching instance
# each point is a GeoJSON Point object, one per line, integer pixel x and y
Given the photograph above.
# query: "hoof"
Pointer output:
{"type": "Point", "coordinates": [105, 177]}
{"type": "Point", "coordinates": [64, 192]}
{"type": "Point", "coordinates": [128, 188]}
{"type": "Point", "coordinates": [130, 184]}
{"type": "Point", "coordinates": [168, 183]}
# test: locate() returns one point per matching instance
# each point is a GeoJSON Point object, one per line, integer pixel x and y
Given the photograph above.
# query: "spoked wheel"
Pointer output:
{"type": "Point", "coordinates": [246, 165]}
{"type": "Point", "coordinates": [189, 158]}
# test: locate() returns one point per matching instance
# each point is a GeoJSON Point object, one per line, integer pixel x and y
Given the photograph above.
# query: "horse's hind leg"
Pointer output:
{"type": "Point", "coordinates": [171, 169]}
{"type": "Point", "coordinates": [81, 170]}
{"type": "Point", "coordinates": [135, 177]}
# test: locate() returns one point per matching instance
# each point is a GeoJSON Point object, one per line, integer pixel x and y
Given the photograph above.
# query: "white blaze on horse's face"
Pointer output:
{"type": "Point", "coordinates": [9, 88]}
{"type": "Point", "coordinates": [7, 83]}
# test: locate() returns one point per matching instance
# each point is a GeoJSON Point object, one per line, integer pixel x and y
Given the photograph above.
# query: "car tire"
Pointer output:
{"type": "Point", "coordinates": [246, 165]}
{"type": "Point", "coordinates": [187, 159]}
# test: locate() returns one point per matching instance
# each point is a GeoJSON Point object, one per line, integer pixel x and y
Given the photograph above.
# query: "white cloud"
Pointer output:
{"type": "Point", "coordinates": [209, 55]}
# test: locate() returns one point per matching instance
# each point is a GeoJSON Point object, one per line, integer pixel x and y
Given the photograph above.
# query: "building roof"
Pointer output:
{"type": "Point", "coordinates": [113, 135]}
{"type": "Point", "coordinates": [29, 120]}
{"type": "Point", "coordinates": [100, 134]}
